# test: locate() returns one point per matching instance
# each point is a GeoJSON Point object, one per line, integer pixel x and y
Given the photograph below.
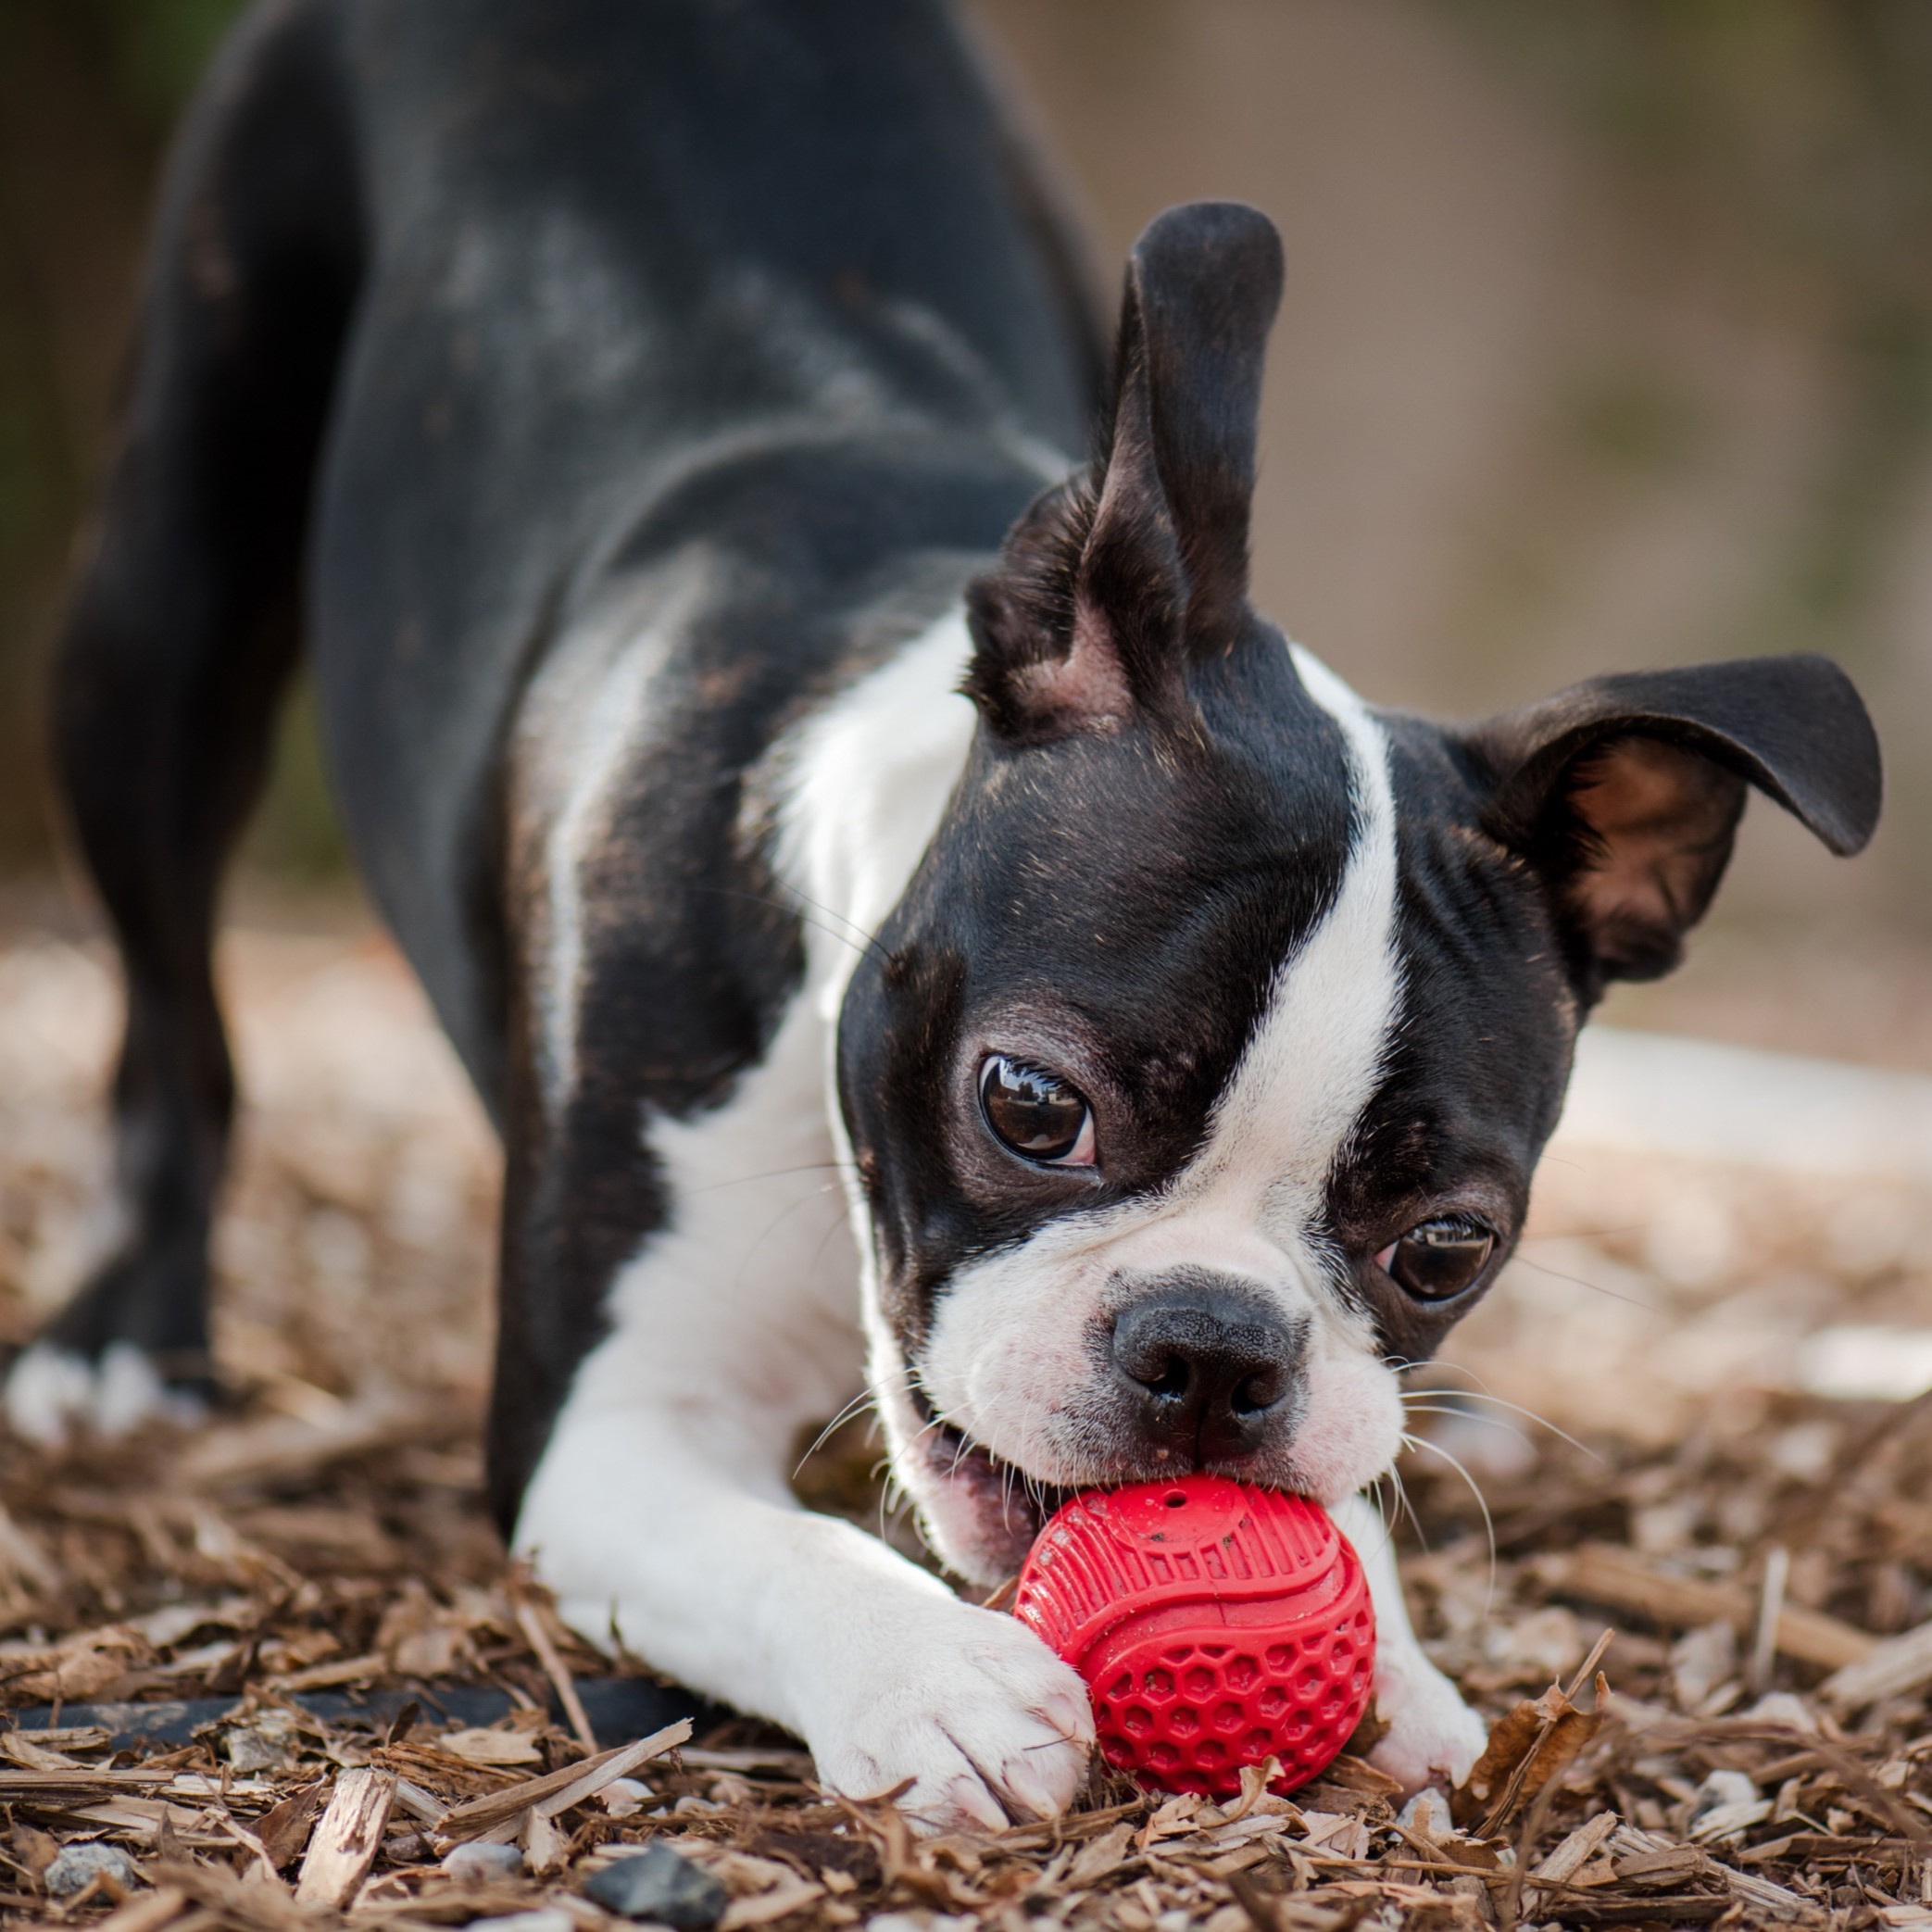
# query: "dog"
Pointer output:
{"type": "Point", "coordinates": [907, 914]}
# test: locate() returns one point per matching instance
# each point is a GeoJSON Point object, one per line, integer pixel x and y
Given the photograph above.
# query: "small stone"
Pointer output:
{"type": "Point", "coordinates": [1427, 1813]}
{"type": "Point", "coordinates": [660, 1884]}
{"type": "Point", "coordinates": [254, 1748]}
{"type": "Point", "coordinates": [483, 1861]}
{"type": "Point", "coordinates": [1782, 1707]}
{"type": "Point", "coordinates": [1721, 1788]}
{"type": "Point", "coordinates": [76, 1867]}
{"type": "Point", "coordinates": [547, 1918]}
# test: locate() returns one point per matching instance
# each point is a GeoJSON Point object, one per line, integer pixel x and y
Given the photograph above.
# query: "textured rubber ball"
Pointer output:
{"type": "Point", "coordinates": [1216, 1625]}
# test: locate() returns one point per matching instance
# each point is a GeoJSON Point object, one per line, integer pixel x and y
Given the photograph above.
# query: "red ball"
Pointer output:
{"type": "Point", "coordinates": [1216, 1625]}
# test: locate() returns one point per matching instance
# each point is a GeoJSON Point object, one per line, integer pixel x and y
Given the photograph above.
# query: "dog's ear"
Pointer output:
{"type": "Point", "coordinates": [1108, 584]}
{"type": "Point", "coordinates": [1624, 793]}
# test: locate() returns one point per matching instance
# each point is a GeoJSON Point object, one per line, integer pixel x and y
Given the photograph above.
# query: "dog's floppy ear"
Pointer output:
{"type": "Point", "coordinates": [1108, 584]}
{"type": "Point", "coordinates": [1625, 792]}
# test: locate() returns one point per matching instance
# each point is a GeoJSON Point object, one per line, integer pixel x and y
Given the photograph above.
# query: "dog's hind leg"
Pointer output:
{"type": "Point", "coordinates": [180, 639]}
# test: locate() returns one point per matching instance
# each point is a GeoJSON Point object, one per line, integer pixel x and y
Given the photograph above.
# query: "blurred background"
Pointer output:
{"type": "Point", "coordinates": [1607, 342]}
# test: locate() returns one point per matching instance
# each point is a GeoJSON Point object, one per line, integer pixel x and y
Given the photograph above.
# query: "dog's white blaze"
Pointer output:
{"type": "Point", "coordinates": [1317, 1055]}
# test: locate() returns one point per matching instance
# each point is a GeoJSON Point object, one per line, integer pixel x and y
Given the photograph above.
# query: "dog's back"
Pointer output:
{"type": "Point", "coordinates": [609, 246]}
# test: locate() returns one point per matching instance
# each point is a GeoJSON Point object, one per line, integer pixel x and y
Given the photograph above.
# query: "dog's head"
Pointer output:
{"type": "Point", "coordinates": [1197, 1081]}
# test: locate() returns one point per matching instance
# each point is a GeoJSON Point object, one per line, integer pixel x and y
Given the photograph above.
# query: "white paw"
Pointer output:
{"type": "Point", "coordinates": [989, 1724]}
{"type": "Point", "coordinates": [52, 1394]}
{"type": "Point", "coordinates": [1434, 1736]}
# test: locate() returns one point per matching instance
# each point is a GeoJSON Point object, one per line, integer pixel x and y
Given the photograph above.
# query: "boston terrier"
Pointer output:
{"type": "Point", "coordinates": [907, 915]}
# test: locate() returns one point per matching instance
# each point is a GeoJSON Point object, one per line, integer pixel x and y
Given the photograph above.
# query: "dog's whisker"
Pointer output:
{"type": "Point", "coordinates": [1482, 1503]}
{"type": "Point", "coordinates": [1407, 1508]}
{"type": "Point", "coordinates": [859, 1403]}
{"type": "Point", "coordinates": [776, 1173]}
{"type": "Point", "coordinates": [888, 1491]}
{"type": "Point", "coordinates": [1483, 1394]}
{"type": "Point", "coordinates": [1488, 1421]}
{"type": "Point", "coordinates": [1388, 1534]}
{"type": "Point", "coordinates": [795, 897]}
{"type": "Point", "coordinates": [1596, 1287]}
{"type": "Point", "coordinates": [803, 908]}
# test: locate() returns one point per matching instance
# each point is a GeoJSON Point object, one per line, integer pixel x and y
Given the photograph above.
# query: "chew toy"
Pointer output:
{"type": "Point", "coordinates": [1216, 1625]}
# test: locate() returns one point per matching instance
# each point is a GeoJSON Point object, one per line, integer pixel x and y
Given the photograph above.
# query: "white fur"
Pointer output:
{"type": "Point", "coordinates": [861, 787]}
{"type": "Point", "coordinates": [53, 1394]}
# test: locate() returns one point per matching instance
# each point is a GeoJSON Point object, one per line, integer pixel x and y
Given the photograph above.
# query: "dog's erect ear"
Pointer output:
{"type": "Point", "coordinates": [1112, 581]}
{"type": "Point", "coordinates": [1626, 792]}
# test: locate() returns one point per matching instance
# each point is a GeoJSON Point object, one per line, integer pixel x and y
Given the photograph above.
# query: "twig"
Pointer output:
{"type": "Point", "coordinates": [1588, 1668]}
{"type": "Point", "coordinates": [532, 1624]}
{"type": "Point", "coordinates": [1771, 1607]}
{"type": "Point", "coordinates": [557, 1790]}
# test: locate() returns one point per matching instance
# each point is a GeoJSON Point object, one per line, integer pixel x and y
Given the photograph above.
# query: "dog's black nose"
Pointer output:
{"type": "Point", "coordinates": [1209, 1365]}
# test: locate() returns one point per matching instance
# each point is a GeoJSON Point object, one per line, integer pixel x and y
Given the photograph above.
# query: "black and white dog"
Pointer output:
{"type": "Point", "coordinates": [781, 761]}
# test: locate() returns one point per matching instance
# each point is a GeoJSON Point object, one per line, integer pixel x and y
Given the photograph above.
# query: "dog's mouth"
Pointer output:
{"type": "Point", "coordinates": [1006, 1507]}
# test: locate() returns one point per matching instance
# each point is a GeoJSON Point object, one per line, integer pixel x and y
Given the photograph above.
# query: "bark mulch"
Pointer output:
{"type": "Point", "coordinates": [272, 1673]}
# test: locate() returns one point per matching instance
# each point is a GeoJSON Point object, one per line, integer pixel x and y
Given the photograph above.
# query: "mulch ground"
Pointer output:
{"type": "Point", "coordinates": [369, 1720]}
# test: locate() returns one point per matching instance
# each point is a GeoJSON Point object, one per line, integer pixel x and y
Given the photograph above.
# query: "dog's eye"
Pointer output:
{"type": "Point", "coordinates": [1440, 1258]}
{"type": "Point", "coordinates": [1037, 1113]}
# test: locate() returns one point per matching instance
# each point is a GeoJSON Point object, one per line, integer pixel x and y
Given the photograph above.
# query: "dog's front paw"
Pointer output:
{"type": "Point", "coordinates": [973, 1707]}
{"type": "Point", "coordinates": [1434, 1737]}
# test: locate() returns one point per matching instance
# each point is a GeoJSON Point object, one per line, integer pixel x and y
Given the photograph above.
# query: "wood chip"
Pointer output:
{"type": "Point", "coordinates": [542, 1844]}
{"type": "Point", "coordinates": [29, 1787]}
{"type": "Point", "coordinates": [1532, 1744]}
{"type": "Point", "coordinates": [791, 1894]}
{"type": "Point", "coordinates": [1648, 1852]}
{"type": "Point", "coordinates": [559, 1791]}
{"type": "Point", "coordinates": [1894, 1667]}
{"type": "Point", "coordinates": [148, 1911]}
{"type": "Point", "coordinates": [1684, 1909]}
{"type": "Point", "coordinates": [347, 1838]}
{"type": "Point", "coordinates": [1621, 1579]}
{"type": "Point", "coordinates": [1576, 1850]}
